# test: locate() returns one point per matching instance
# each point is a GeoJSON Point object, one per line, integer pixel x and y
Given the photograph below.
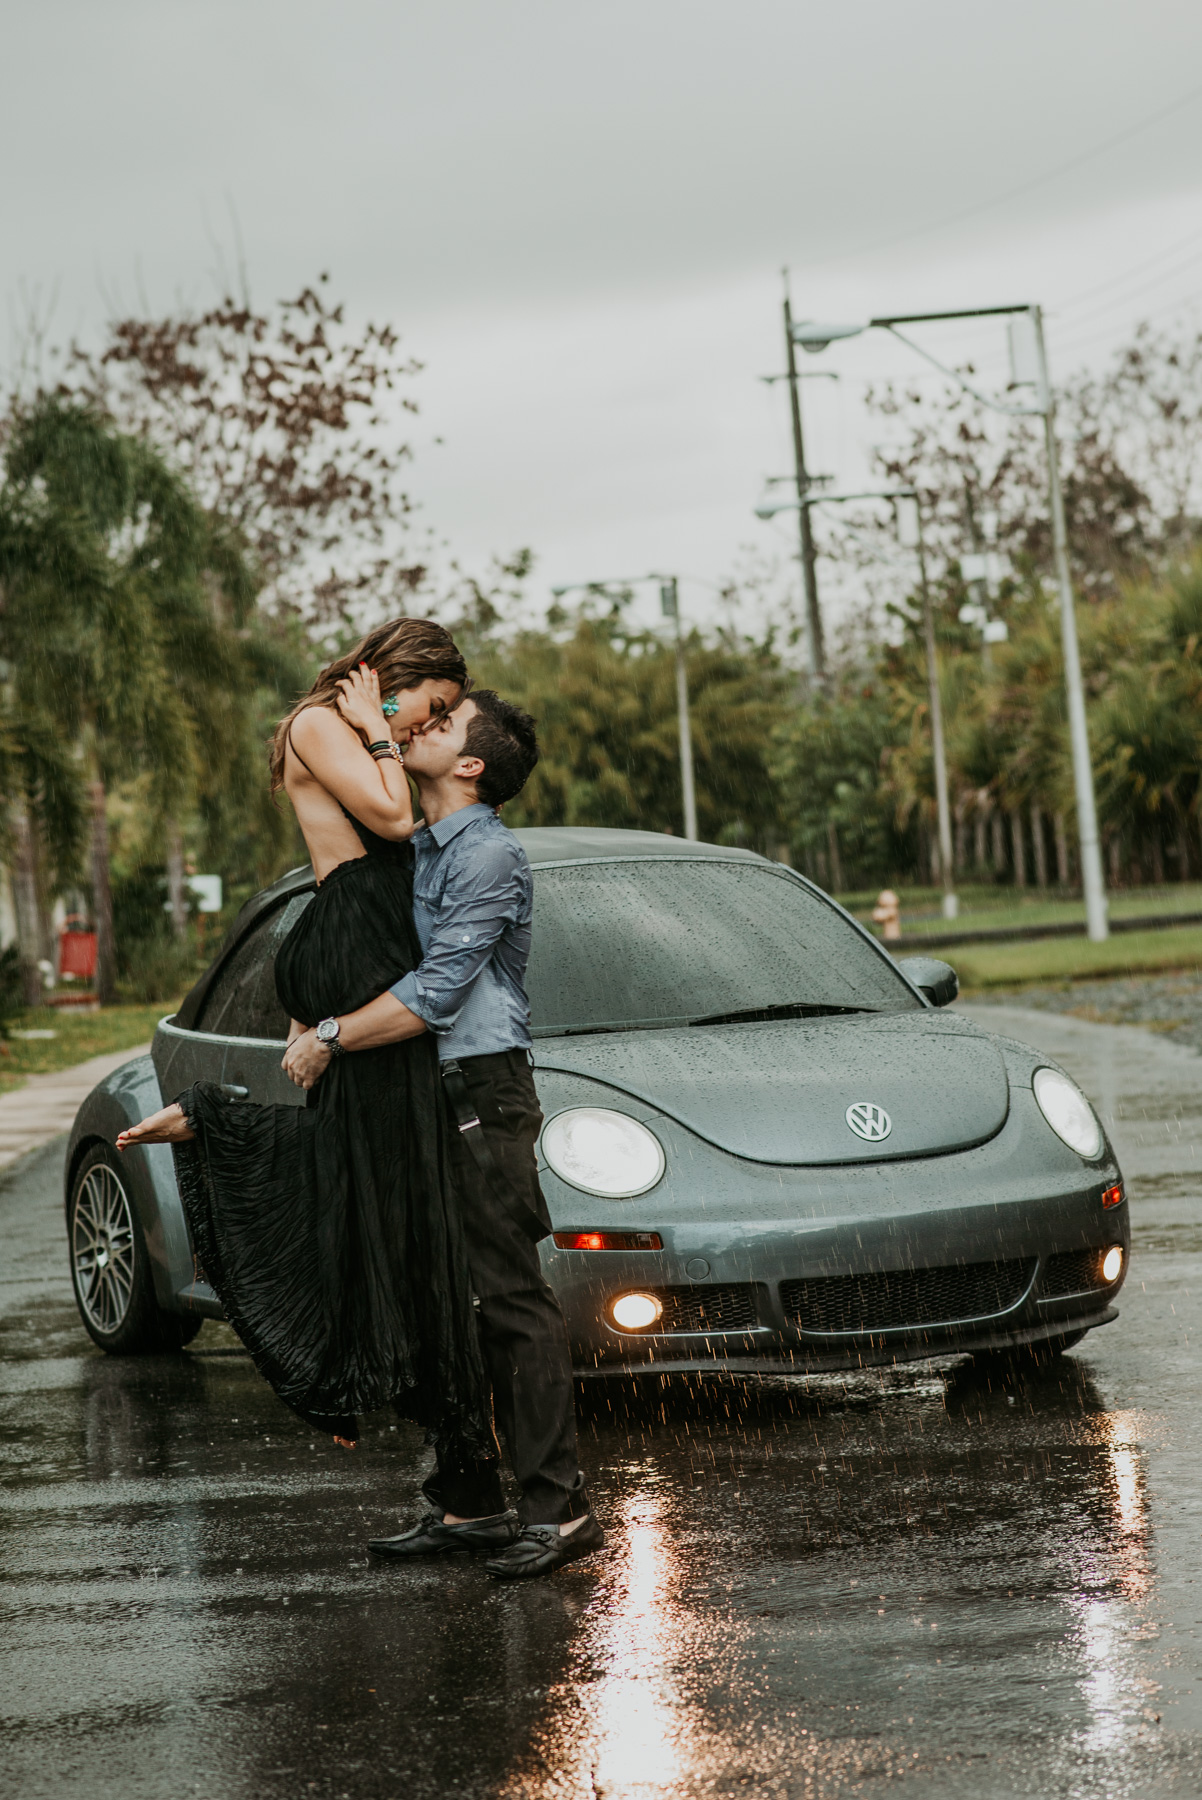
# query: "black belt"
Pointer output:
{"type": "Point", "coordinates": [472, 1133]}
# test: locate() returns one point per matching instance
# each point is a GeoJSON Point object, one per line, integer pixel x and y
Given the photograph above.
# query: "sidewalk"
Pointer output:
{"type": "Point", "coordinates": [47, 1104]}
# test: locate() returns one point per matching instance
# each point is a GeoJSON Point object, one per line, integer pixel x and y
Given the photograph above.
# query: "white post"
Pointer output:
{"type": "Point", "coordinates": [1092, 880]}
{"type": "Point", "coordinates": [670, 603]}
{"type": "Point", "coordinates": [951, 903]}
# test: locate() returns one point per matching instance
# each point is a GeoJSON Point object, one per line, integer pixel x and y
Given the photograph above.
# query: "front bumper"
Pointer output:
{"type": "Point", "coordinates": [759, 1234]}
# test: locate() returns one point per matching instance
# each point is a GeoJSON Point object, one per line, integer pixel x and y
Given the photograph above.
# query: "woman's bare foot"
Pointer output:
{"type": "Point", "coordinates": [166, 1127]}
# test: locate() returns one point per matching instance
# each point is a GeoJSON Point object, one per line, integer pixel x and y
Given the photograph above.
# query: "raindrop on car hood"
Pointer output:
{"type": "Point", "coordinates": [779, 1093]}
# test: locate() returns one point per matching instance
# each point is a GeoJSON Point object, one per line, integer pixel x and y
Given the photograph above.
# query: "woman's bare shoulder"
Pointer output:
{"type": "Point", "coordinates": [320, 726]}
{"type": "Point", "coordinates": [320, 743]}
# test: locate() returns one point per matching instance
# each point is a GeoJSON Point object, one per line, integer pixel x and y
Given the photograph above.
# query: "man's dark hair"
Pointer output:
{"type": "Point", "coordinates": [504, 738]}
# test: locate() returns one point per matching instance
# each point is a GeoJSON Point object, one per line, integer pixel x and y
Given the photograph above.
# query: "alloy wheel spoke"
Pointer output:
{"type": "Point", "coordinates": [103, 1249]}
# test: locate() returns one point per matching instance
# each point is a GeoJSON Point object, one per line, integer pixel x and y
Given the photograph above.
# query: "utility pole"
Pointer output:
{"type": "Point", "coordinates": [951, 904]}
{"type": "Point", "coordinates": [911, 534]}
{"type": "Point", "coordinates": [669, 600]}
{"type": "Point", "coordinates": [816, 650]}
{"type": "Point", "coordinates": [1092, 881]}
{"type": "Point", "coordinates": [1029, 367]}
{"type": "Point", "coordinates": [670, 606]}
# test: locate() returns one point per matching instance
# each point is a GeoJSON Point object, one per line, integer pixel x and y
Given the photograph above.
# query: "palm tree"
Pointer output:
{"type": "Point", "coordinates": [122, 601]}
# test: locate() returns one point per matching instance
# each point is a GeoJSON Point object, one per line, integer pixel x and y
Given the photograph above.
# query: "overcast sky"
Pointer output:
{"type": "Point", "coordinates": [577, 215]}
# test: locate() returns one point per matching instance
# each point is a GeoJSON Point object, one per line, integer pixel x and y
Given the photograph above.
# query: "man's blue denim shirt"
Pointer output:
{"type": "Point", "coordinates": [473, 900]}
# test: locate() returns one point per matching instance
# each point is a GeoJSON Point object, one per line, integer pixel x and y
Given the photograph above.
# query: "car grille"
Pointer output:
{"type": "Point", "coordinates": [696, 1309]}
{"type": "Point", "coordinates": [1072, 1272]}
{"type": "Point", "coordinates": [895, 1299]}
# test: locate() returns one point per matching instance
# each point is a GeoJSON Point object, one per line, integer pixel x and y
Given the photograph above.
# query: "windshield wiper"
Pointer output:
{"type": "Point", "coordinates": [790, 1009]}
{"type": "Point", "coordinates": [550, 1031]}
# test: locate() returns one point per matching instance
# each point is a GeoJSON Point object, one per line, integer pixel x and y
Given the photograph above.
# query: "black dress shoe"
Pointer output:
{"type": "Point", "coordinates": [434, 1537]}
{"type": "Point", "coordinates": [541, 1549]}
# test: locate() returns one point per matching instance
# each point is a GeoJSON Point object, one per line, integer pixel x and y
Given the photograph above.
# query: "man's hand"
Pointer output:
{"type": "Point", "coordinates": [306, 1060]}
{"type": "Point", "coordinates": [382, 1021]}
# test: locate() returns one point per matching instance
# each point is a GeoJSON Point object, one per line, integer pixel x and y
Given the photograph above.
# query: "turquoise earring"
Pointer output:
{"type": "Point", "coordinates": [390, 707]}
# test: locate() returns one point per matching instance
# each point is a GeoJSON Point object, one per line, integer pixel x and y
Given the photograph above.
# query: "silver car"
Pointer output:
{"type": "Point", "coordinates": [765, 1147]}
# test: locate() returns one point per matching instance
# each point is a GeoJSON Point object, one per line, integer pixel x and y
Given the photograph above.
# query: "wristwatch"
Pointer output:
{"type": "Point", "coordinates": [328, 1034]}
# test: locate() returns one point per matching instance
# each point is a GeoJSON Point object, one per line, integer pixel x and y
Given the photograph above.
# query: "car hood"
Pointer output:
{"type": "Point", "coordinates": [780, 1092]}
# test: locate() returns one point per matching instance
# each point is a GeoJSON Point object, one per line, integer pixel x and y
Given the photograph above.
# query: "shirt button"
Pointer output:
{"type": "Point", "coordinates": [467, 937]}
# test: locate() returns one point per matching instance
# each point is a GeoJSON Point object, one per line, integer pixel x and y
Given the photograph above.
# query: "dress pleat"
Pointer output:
{"type": "Point", "coordinates": [330, 1232]}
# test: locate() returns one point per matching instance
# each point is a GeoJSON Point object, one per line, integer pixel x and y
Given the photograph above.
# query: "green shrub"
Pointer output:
{"type": "Point", "coordinates": [10, 987]}
{"type": "Point", "coordinates": [152, 963]}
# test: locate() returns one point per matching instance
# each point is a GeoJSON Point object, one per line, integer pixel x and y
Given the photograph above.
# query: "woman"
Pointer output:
{"type": "Point", "coordinates": [328, 1232]}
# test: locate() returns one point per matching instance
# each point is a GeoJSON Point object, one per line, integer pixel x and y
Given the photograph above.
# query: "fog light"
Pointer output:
{"type": "Point", "coordinates": [634, 1312]}
{"type": "Point", "coordinates": [1112, 1263]}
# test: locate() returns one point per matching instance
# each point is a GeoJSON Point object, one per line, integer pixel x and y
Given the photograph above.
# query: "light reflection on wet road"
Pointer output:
{"type": "Point", "coordinates": [971, 1585]}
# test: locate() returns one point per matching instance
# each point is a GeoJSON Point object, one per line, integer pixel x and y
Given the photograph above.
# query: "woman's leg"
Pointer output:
{"type": "Point", "coordinates": [166, 1127]}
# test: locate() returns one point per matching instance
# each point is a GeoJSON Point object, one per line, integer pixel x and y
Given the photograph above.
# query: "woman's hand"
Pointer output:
{"type": "Point", "coordinates": [359, 704]}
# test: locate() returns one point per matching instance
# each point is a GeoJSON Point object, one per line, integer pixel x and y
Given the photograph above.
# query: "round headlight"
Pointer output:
{"type": "Point", "coordinates": [635, 1312]}
{"type": "Point", "coordinates": [1112, 1263]}
{"type": "Point", "coordinates": [1068, 1112]}
{"type": "Point", "coordinates": [603, 1152]}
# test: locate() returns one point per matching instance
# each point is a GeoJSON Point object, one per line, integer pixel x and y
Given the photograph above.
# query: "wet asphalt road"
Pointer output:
{"type": "Point", "coordinates": [923, 1579]}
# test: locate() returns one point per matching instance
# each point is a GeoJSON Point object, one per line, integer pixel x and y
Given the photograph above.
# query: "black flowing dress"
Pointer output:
{"type": "Point", "coordinates": [330, 1232]}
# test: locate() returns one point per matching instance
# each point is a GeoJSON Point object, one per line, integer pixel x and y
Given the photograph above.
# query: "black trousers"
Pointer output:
{"type": "Point", "coordinates": [522, 1331]}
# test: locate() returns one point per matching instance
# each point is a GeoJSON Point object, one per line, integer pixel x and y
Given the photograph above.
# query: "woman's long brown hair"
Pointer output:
{"type": "Point", "coordinates": [404, 653]}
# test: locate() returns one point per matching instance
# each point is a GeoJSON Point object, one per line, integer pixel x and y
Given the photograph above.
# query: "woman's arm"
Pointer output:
{"type": "Point", "coordinates": [375, 792]}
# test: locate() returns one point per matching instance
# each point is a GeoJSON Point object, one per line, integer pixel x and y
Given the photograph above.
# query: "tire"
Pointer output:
{"type": "Point", "coordinates": [110, 1265]}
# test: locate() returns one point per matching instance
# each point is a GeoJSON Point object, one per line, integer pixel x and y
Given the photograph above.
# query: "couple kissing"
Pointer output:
{"type": "Point", "coordinates": [379, 1245]}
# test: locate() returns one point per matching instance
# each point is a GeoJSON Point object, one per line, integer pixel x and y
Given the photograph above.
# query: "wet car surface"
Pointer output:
{"type": "Point", "coordinates": [953, 1579]}
{"type": "Point", "coordinates": [766, 1144]}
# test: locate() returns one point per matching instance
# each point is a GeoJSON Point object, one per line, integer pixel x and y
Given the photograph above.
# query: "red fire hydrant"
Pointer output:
{"type": "Point", "coordinates": [77, 954]}
{"type": "Point", "coordinates": [887, 914]}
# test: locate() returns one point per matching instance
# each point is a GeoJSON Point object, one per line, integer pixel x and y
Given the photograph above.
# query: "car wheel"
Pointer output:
{"type": "Point", "coordinates": [110, 1266]}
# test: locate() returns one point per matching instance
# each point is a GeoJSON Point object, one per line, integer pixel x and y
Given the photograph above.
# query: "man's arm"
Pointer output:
{"type": "Point", "coordinates": [382, 1021]}
{"type": "Point", "coordinates": [480, 900]}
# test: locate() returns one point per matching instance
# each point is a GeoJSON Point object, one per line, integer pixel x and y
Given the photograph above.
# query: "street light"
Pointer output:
{"type": "Point", "coordinates": [913, 540]}
{"type": "Point", "coordinates": [1029, 368]}
{"type": "Point", "coordinates": [669, 601]}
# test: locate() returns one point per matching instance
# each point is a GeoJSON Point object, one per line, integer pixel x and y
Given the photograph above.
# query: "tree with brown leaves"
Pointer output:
{"type": "Point", "coordinates": [287, 424]}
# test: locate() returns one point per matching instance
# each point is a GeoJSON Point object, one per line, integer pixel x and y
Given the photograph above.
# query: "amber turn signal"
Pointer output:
{"type": "Point", "coordinates": [1113, 1196]}
{"type": "Point", "coordinates": [608, 1240]}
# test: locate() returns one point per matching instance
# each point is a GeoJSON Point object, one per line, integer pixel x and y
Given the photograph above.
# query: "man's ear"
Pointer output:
{"type": "Point", "coordinates": [469, 768]}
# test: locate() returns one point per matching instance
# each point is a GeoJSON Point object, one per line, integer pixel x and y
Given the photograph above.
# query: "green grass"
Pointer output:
{"type": "Point", "coordinates": [1074, 959]}
{"type": "Point", "coordinates": [993, 908]}
{"type": "Point", "coordinates": [76, 1037]}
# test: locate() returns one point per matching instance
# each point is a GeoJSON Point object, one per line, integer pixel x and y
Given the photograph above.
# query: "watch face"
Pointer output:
{"type": "Point", "coordinates": [327, 1031]}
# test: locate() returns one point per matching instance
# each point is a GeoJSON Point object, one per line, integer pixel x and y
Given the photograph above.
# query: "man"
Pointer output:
{"type": "Point", "coordinates": [473, 907]}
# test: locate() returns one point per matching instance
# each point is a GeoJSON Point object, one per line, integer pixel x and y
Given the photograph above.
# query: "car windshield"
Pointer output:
{"type": "Point", "coordinates": [669, 941]}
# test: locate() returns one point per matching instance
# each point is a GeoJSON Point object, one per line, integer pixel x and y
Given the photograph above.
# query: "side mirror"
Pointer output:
{"type": "Point", "coordinates": [937, 980]}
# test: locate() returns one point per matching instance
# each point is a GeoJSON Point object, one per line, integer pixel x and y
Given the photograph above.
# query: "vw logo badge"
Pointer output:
{"type": "Point", "coordinates": [869, 1121]}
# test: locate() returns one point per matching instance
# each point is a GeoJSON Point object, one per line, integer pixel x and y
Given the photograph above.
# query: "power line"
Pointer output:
{"type": "Point", "coordinates": [1102, 287]}
{"type": "Point", "coordinates": [1025, 187]}
{"type": "Point", "coordinates": [1124, 300]}
{"type": "Point", "coordinates": [1076, 346]}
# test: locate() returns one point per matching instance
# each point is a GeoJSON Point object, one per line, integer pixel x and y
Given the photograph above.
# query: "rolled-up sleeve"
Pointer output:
{"type": "Point", "coordinates": [479, 902]}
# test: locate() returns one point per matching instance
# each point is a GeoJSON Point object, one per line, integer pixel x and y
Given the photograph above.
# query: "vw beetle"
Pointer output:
{"type": "Point", "coordinates": [767, 1145]}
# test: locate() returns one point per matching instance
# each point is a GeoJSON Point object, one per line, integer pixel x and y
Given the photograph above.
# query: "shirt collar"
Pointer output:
{"type": "Point", "coordinates": [455, 822]}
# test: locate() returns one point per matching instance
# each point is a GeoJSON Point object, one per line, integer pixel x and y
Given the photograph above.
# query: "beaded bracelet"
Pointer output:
{"type": "Point", "coordinates": [393, 751]}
